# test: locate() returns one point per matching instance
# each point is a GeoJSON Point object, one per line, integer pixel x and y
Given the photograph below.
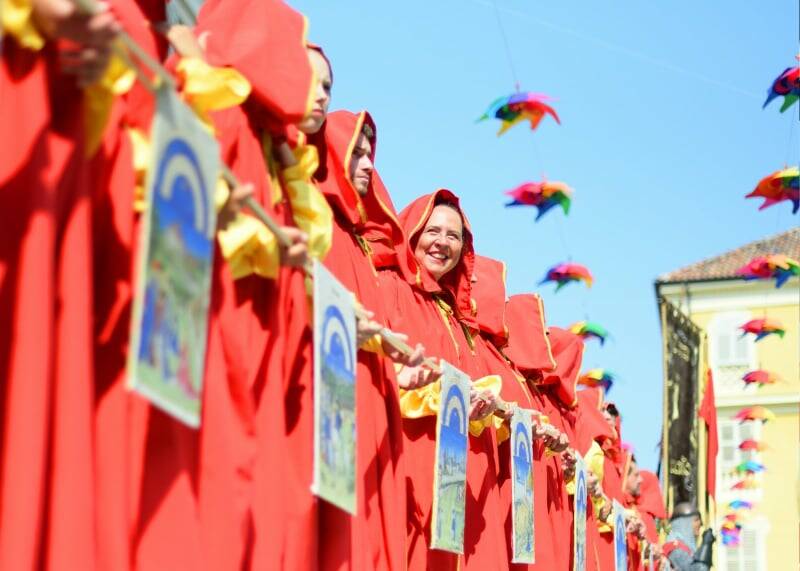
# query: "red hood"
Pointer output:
{"type": "Point", "coordinates": [650, 499]}
{"type": "Point", "coordinates": [371, 216]}
{"type": "Point", "coordinates": [568, 353]}
{"type": "Point", "coordinates": [456, 284]}
{"type": "Point", "coordinates": [489, 297]}
{"type": "Point", "coordinates": [265, 40]}
{"type": "Point", "coordinates": [591, 424]}
{"type": "Point", "coordinates": [528, 343]}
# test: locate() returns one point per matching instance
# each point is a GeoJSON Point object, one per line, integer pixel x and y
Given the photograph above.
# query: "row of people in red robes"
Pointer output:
{"type": "Point", "coordinates": [93, 477]}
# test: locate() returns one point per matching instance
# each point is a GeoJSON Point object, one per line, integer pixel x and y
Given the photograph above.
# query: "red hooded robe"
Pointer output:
{"type": "Point", "coordinates": [373, 538]}
{"type": "Point", "coordinates": [489, 295]}
{"type": "Point", "coordinates": [529, 350]}
{"type": "Point", "coordinates": [439, 315]}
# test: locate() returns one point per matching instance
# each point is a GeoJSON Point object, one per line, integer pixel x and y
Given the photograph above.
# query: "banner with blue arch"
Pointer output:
{"type": "Point", "coordinates": [620, 538]}
{"type": "Point", "coordinates": [169, 323]}
{"type": "Point", "coordinates": [450, 468]}
{"type": "Point", "coordinates": [581, 498]}
{"type": "Point", "coordinates": [522, 520]}
{"type": "Point", "coordinates": [334, 391]}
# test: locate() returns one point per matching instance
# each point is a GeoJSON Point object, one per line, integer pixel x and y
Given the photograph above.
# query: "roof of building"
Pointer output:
{"type": "Point", "coordinates": [724, 266]}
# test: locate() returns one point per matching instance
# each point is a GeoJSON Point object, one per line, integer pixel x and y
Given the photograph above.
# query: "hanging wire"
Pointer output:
{"type": "Point", "coordinates": [507, 46]}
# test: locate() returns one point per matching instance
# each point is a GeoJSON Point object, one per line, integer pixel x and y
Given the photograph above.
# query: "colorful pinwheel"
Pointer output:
{"type": "Point", "coordinates": [543, 195]}
{"type": "Point", "coordinates": [751, 467]}
{"type": "Point", "coordinates": [776, 266]}
{"type": "Point", "coordinates": [562, 274]}
{"type": "Point", "coordinates": [761, 378]}
{"type": "Point", "coordinates": [520, 107]}
{"type": "Point", "coordinates": [731, 538]}
{"type": "Point", "coordinates": [740, 505]}
{"type": "Point", "coordinates": [746, 484]}
{"type": "Point", "coordinates": [754, 413]}
{"type": "Point", "coordinates": [763, 327]}
{"type": "Point", "coordinates": [752, 445]}
{"type": "Point", "coordinates": [787, 85]}
{"type": "Point", "coordinates": [779, 186]}
{"type": "Point", "coordinates": [589, 330]}
{"type": "Point", "coordinates": [597, 378]}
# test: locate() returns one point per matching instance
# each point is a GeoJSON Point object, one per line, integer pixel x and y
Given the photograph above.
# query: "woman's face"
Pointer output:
{"type": "Point", "coordinates": [441, 241]}
{"type": "Point", "coordinates": [313, 122]}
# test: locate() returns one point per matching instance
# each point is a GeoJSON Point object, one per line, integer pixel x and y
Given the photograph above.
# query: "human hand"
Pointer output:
{"type": "Point", "coordinates": [236, 200]}
{"type": "Point", "coordinates": [410, 378]}
{"type": "Point", "coordinates": [296, 254]}
{"type": "Point", "coordinates": [481, 404]}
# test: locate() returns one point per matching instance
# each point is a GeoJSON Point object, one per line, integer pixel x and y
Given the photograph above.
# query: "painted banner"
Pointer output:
{"type": "Point", "coordinates": [581, 498]}
{"type": "Point", "coordinates": [169, 323]}
{"type": "Point", "coordinates": [620, 538]}
{"type": "Point", "coordinates": [334, 391]}
{"type": "Point", "coordinates": [523, 538]}
{"type": "Point", "coordinates": [450, 470]}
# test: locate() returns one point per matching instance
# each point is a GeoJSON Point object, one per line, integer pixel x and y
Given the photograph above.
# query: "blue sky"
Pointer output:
{"type": "Point", "coordinates": [662, 135]}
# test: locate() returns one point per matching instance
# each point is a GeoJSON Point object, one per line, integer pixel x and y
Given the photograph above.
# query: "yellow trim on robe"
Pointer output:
{"type": "Point", "coordinates": [98, 98]}
{"type": "Point", "coordinates": [207, 88]}
{"type": "Point", "coordinates": [141, 156]}
{"type": "Point", "coordinates": [249, 248]}
{"type": "Point", "coordinates": [373, 345]}
{"type": "Point", "coordinates": [312, 213]}
{"type": "Point", "coordinates": [17, 21]}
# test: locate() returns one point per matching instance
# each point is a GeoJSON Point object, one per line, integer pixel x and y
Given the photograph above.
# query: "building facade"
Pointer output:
{"type": "Point", "coordinates": [719, 302]}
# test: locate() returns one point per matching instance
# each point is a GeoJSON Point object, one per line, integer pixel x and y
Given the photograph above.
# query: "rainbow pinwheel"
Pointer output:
{"type": "Point", "coordinates": [543, 195]}
{"type": "Point", "coordinates": [589, 330]}
{"type": "Point", "coordinates": [779, 186]}
{"type": "Point", "coordinates": [763, 327]}
{"type": "Point", "coordinates": [776, 266]}
{"type": "Point", "coordinates": [787, 85]}
{"type": "Point", "coordinates": [746, 484]}
{"type": "Point", "coordinates": [751, 467]}
{"type": "Point", "coordinates": [597, 378]}
{"type": "Point", "coordinates": [752, 413]}
{"type": "Point", "coordinates": [761, 378]}
{"type": "Point", "coordinates": [519, 107]}
{"type": "Point", "coordinates": [740, 505]}
{"type": "Point", "coordinates": [731, 538]}
{"type": "Point", "coordinates": [562, 274]}
{"type": "Point", "coordinates": [752, 445]}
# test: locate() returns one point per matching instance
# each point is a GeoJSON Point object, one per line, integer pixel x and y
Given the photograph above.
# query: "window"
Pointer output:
{"type": "Point", "coordinates": [750, 554]}
{"type": "Point", "coordinates": [730, 354]}
{"type": "Point", "coordinates": [731, 434]}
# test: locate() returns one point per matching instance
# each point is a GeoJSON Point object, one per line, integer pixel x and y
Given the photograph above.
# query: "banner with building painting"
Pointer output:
{"type": "Point", "coordinates": [450, 471]}
{"type": "Point", "coordinates": [523, 535]}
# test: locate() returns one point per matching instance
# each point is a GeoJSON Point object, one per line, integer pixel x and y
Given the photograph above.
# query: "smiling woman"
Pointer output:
{"type": "Point", "coordinates": [438, 248]}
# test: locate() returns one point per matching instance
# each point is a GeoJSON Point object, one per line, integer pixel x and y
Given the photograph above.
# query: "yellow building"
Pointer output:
{"type": "Point", "coordinates": [716, 300]}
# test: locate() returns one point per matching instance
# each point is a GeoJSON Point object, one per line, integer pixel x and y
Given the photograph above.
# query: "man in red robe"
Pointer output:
{"type": "Point", "coordinates": [374, 537]}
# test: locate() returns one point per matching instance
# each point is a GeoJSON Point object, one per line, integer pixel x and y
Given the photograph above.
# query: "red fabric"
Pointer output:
{"type": "Point", "coordinates": [374, 537]}
{"type": "Point", "coordinates": [568, 353]}
{"type": "Point", "coordinates": [46, 477]}
{"type": "Point", "coordinates": [489, 297]}
{"type": "Point", "coordinates": [265, 41]}
{"type": "Point", "coordinates": [650, 499]}
{"type": "Point", "coordinates": [412, 308]}
{"type": "Point", "coordinates": [489, 292]}
{"type": "Point", "coordinates": [708, 412]}
{"type": "Point", "coordinates": [671, 546]}
{"type": "Point", "coordinates": [528, 344]}
{"type": "Point", "coordinates": [262, 345]}
{"type": "Point", "coordinates": [591, 424]}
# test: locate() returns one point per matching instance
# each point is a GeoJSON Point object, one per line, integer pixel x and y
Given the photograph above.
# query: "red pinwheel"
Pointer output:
{"type": "Point", "coordinates": [787, 85]}
{"type": "Point", "coordinates": [763, 327]}
{"type": "Point", "coordinates": [779, 186]}
{"type": "Point", "coordinates": [543, 195]}
{"type": "Point", "coordinates": [562, 274]}
{"type": "Point", "coordinates": [751, 445]}
{"type": "Point", "coordinates": [778, 266]}
{"type": "Point", "coordinates": [761, 378]}
{"type": "Point", "coordinates": [754, 413]}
